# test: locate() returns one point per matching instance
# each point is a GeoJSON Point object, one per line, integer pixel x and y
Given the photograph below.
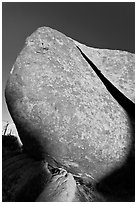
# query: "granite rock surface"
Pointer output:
{"type": "Point", "coordinates": [63, 111]}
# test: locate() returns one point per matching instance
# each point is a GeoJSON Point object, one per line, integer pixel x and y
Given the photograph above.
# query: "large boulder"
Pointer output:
{"type": "Point", "coordinates": [63, 111]}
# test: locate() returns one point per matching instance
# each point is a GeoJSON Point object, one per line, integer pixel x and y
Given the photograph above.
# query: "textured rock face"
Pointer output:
{"type": "Point", "coordinates": [61, 108]}
{"type": "Point", "coordinates": [117, 66]}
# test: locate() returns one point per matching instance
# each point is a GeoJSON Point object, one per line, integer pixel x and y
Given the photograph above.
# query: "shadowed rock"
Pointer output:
{"type": "Point", "coordinates": [63, 111]}
{"type": "Point", "coordinates": [23, 178]}
{"type": "Point", "coordinates": [61, 188]}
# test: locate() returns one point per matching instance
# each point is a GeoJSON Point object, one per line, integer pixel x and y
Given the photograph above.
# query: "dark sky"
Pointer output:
{"type": "Point", "coordinates": [102, 25]}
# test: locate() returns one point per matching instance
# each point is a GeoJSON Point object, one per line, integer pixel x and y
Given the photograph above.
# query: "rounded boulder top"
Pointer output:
{"type": "Point", "coordinates": [62, 110]}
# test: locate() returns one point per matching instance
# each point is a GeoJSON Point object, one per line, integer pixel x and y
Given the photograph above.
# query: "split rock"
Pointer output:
{"type": "Point", "coordinates": [61, 108]}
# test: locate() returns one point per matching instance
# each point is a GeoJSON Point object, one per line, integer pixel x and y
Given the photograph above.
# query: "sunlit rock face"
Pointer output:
{"type": "Point", "coordinates": [116, 65]}
{"type": "Point", "coordinates": [63, 111]}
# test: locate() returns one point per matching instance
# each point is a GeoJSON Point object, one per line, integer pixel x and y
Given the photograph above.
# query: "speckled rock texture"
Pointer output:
{"type": "Point", "coordinates": [116, 65]}
{"type": "Point", "coordinates": [63, 111]}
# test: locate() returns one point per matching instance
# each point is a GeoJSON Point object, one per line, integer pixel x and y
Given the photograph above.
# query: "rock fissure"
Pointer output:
{"type": "Point", "coordinates": [70, 113]}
